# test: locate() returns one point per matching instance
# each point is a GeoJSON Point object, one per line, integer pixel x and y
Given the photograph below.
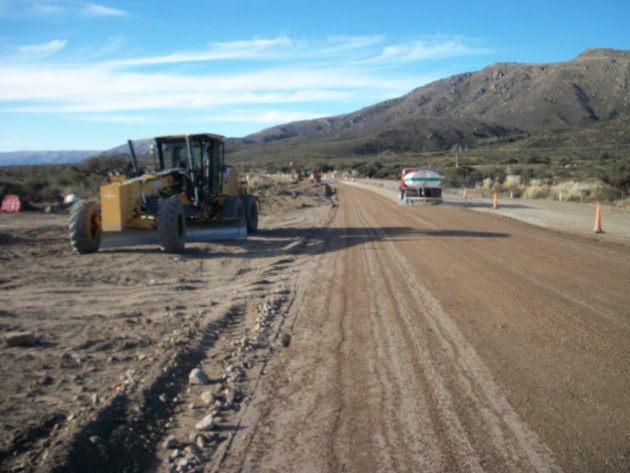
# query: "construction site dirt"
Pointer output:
{"type": "Point", "coordinates": [350, 333]}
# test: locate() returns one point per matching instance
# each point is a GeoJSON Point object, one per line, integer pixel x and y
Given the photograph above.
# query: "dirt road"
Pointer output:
{"type": "Point", "coordinates": [440, 339]}
{"type": "Point", "coordinates": [350, 334]}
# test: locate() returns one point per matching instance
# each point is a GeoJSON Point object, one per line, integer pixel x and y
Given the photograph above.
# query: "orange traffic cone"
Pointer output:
{"type": "Point", "coordinates": [496, 201]}
{"type": "Point", "coordinates": [598, 220]}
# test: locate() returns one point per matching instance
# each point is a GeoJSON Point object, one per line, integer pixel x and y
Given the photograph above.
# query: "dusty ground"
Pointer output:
{"type": "Point", "coordinates": [350, 334]}
{"type": "Point", "coordinates": [119, 331]}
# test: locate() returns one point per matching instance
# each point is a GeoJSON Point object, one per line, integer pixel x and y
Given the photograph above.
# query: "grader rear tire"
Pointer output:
{"type": "Point", "coordinates": [251, 212]}
{"type": "Point", "coordinates": [85, 227]}
{"type": "Point", "coordinates": [233, 208]}
{"type": "Point", "coordinates": [171, 226]}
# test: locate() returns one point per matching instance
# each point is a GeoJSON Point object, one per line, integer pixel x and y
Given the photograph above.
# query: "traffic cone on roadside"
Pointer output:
{"type": "Point", "coordinates": [496, 201]}
{"type": "Point", "coordinates": [598, 220]}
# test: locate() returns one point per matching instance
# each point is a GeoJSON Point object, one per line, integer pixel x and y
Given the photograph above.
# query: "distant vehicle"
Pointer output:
{"type": "Point", "coordinates": [420, 185]}
{"type": "Point", "coordinates": [296, 172]}
{"type": "Point", "coordinates": [316, 175]}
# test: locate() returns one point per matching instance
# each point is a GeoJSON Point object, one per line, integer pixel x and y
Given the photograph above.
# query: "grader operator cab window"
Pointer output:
{"type": "Point", "coordinates": [203, 169]}
{"type": "Point", "coordinates": [175, 155]}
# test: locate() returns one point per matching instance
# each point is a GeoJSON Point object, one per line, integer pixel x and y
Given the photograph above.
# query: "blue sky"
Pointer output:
{"type": "Point", "coordinates": [82, 75]}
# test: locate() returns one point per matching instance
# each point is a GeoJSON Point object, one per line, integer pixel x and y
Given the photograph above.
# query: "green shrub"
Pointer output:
{"type": "Point", "coordinates": [604, 193]}
{"type": "Point", "coordinates": [463, 176]}
{"type": "Point", "coordinates": [617, 175]}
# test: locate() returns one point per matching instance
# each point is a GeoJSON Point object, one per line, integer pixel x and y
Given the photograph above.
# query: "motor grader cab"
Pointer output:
{"type": "Point", "coordinates": [296, 171]}
{"type": "Point", "coordinates": [192, 195]}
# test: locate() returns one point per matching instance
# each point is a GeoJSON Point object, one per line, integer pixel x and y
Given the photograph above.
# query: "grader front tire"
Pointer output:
{"type": "Point", "coordinates": [85, 227]}
{"type": "Point", "coordinates": [171, 226]}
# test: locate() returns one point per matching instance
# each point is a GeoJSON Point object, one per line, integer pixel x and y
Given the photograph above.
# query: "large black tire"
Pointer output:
{"type": "Point", "coordinates": [171, 225]}
{"type": "Point", "coordinates": [85, 227]}
{"type": "Point", "coordinates": [251, 212]}
{"type": "Point", "coordinates": [233, 208]}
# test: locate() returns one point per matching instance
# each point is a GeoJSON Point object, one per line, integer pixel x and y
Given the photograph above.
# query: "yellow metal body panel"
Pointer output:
{"type": "Point", "coordinates": [112, 211]}
{"type": "Point", "coordinates": [121, 201]}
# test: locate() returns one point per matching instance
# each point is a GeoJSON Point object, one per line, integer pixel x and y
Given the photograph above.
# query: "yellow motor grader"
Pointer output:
{"type": "Point", "coordinates": [191, 196]}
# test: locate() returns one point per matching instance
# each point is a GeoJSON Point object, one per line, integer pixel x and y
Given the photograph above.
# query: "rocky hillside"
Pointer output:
{"type": "Point", "coordinates": [500, 101]}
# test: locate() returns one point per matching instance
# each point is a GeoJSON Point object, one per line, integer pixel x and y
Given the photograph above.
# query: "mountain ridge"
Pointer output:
{"type": "Point", "coordinates": [513, 99]}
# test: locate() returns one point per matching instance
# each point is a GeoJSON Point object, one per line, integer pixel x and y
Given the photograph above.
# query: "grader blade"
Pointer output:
{"type": "Point", "coordinates": [226, 229]}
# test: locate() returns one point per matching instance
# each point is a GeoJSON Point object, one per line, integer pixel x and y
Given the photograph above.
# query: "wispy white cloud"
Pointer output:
{"type": "Point", "coordinates": [117, 118]}
{"type": "Point", "coordinates": [98, 89]}
{"type": "Point", "coordinates": [252, 49]}
{"type": "Point", "coordinates": [279, 48]}
{"type": "Point", "coordinates": [430, 49]}
{"type": "Point", "coordinates": [94, 10]}
{"type": "Point", "coordinates": [43, 49]}
{"type": "Point", "coordinates": [46, 7]}
{"type": "Point", "coordinates": [261, 116]}
{"type": "Point", "coordinates": [100, 50]}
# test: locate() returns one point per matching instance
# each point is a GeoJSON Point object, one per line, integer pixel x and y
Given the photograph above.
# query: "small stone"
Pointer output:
{"type": "Point", "coordinates": [197, 376]}
{"type": "Point", "coordinates": [207, 397]}
{"type": "Point", "coordinates": [200, 441]}
{"type": "Point", "coordinates": [48, 380]}
{"type": "Point", "coordinates": [192, 450]}
{"type": "Point", "coordinates": [171, 442]}
{"type": "Point", "coordinates": [207, 423]}
{"type": "Point", "coordinates": [20, 339]}
{"type": "Point", "coordinates": [70, 360]}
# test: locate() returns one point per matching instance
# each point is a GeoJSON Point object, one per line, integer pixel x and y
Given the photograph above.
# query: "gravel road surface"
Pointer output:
{"type": "Point", "coordinates": [433, 338]}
